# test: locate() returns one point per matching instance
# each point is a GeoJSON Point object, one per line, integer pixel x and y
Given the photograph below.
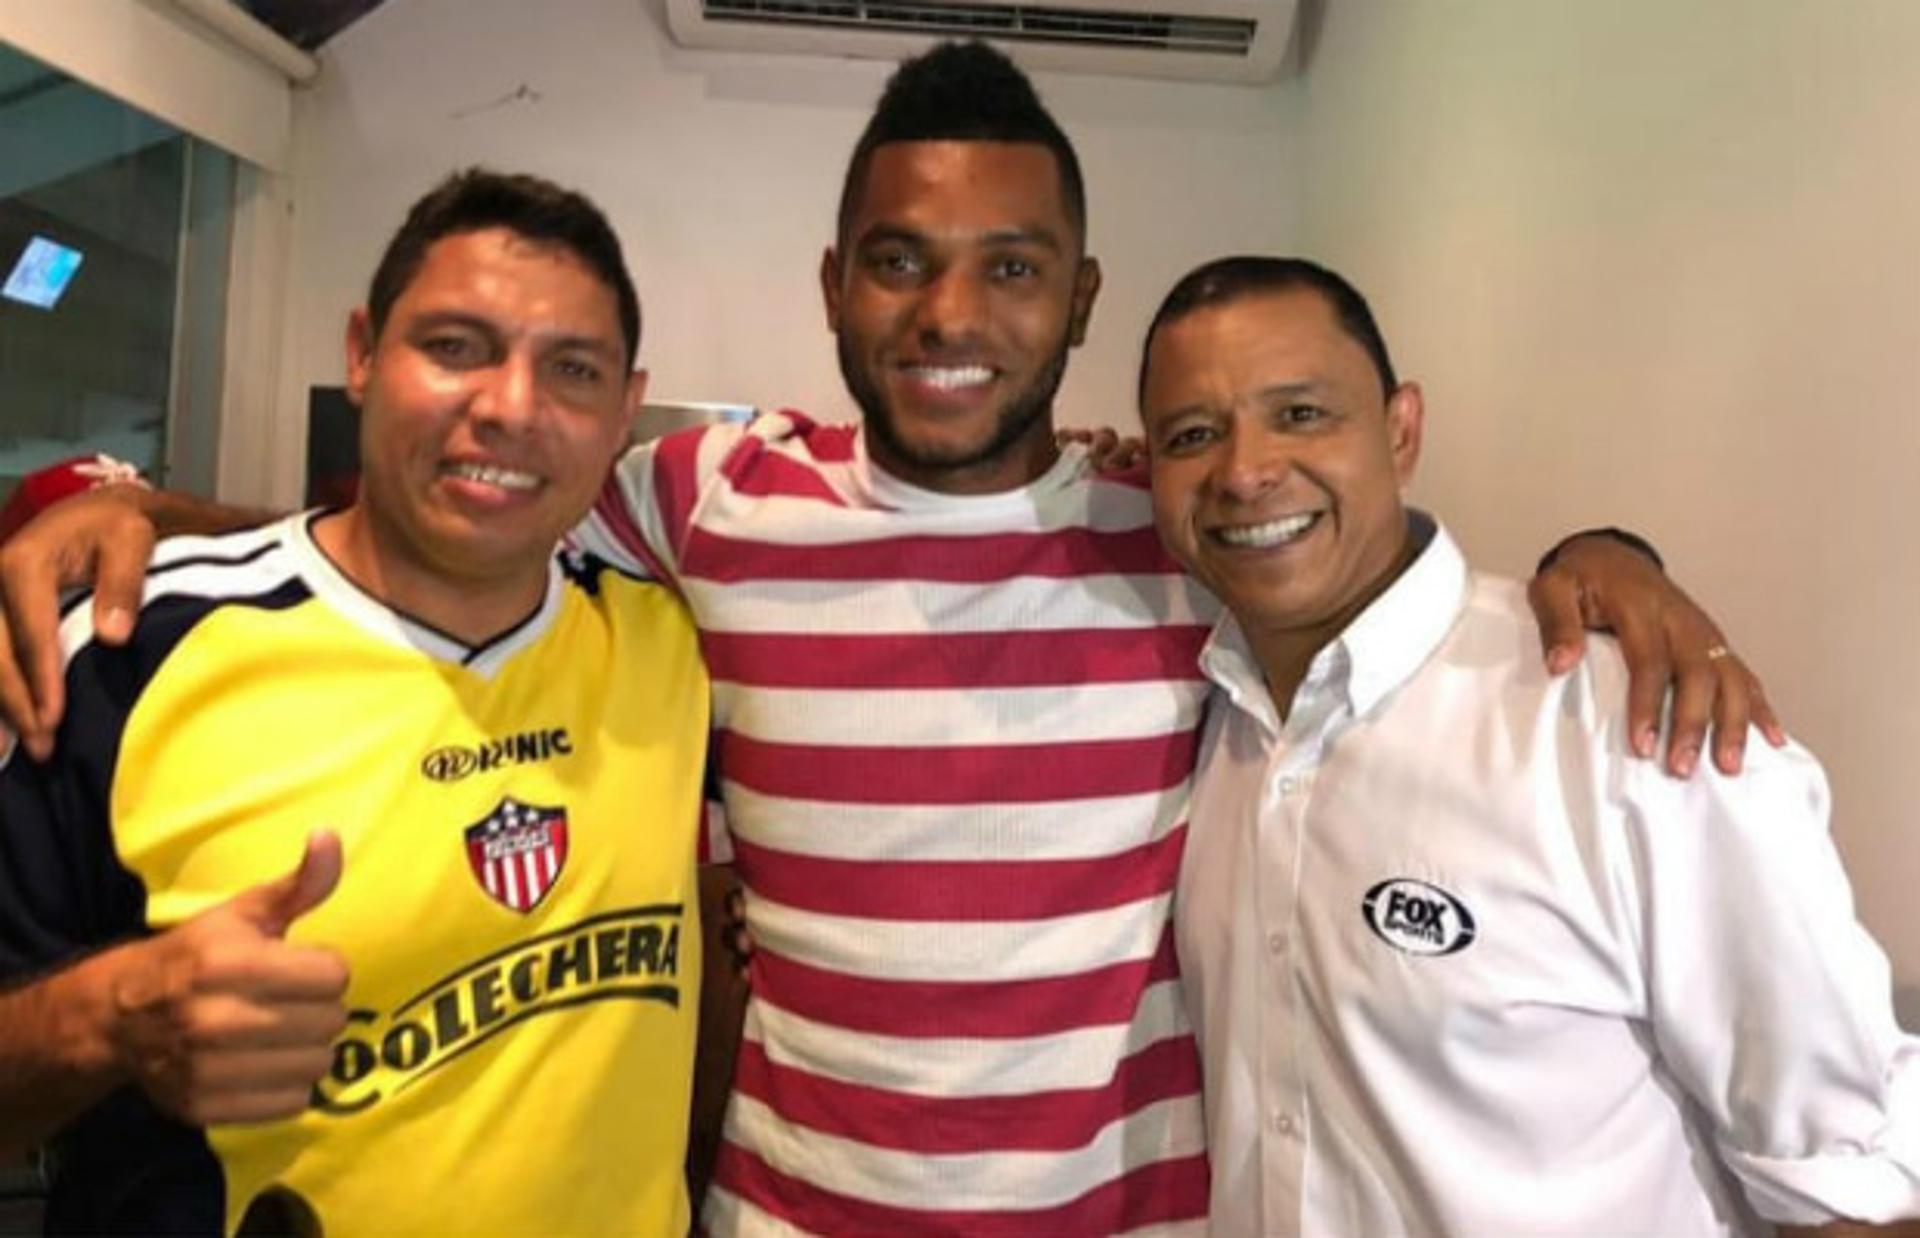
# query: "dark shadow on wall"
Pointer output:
{"type": "Point", "coordinates": [1307, 22]}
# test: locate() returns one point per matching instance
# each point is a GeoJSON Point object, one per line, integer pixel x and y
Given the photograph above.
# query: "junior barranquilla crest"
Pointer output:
{"type": "Point", "coordinates": [517, 851]}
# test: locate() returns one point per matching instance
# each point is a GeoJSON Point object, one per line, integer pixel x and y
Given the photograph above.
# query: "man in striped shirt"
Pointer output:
{"type": "Point", "coordinates": [956, 703]}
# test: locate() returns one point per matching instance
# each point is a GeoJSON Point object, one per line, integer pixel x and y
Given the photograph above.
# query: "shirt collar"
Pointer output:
{"type": "Point", "coordinates": [395, 627]}
{"type": "Point", "coordinates": [1377, 652]}
{"type": "Point", "coordinates": [892, 492]}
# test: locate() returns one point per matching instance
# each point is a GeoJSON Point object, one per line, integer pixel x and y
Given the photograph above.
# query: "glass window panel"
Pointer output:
{"type": "Point", "coordinates": [114, 229]}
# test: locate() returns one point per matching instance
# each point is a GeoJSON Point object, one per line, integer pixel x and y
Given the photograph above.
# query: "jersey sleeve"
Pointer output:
{"type": "Point", "coordinates": [645, 510]}
{"type": "Point", "coordinates": [1768, 1000]}
{"type": "Point", "coordinates": [63, 890]}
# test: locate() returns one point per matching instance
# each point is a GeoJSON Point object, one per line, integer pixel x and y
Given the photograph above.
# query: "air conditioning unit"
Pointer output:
{"type": "Point", "coordinates": [1206, 40]}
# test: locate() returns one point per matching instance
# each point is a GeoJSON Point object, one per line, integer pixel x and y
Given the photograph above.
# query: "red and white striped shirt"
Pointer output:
{"type": "Point", "coordinates": [954, 736]}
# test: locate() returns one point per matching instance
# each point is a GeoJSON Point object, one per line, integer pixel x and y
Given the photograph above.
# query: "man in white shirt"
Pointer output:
{"type": "Point", "coordinates": [1457, 962]}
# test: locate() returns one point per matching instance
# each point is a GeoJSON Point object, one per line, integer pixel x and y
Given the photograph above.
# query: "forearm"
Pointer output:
{"type": "Point", "coordinates": [174, 514]}
{"type": "Point", "coordinates": [723, 1004]}
{"type": "Point", "coordinates": [57, 1055]}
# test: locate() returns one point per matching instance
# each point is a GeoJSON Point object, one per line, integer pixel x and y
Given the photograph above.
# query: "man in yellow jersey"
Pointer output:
{"type": "Point", "coordinates": [354, 885]}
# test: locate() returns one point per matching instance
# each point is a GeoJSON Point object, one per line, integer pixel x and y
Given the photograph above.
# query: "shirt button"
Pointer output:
{"type": "Point", "coordinates": [1283, 1123]}
{"type": "Point", "coordinates": [1277, 942]}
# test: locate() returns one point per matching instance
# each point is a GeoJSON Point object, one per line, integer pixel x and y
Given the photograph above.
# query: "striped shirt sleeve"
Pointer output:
{"type": "Point", "coordinates": [640, 521]}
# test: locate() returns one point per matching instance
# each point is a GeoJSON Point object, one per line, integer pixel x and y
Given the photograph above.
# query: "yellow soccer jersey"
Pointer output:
{"type": "Point", "coordinates": [518, 908]}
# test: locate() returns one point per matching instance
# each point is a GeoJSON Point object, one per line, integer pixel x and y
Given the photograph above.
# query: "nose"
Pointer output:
{"type": "Point", "coordinates": [1251, 462]}
{"type": "Point", "coordinates": [952, 307]}
{"type": "Point", "coordinates": [507, 393]}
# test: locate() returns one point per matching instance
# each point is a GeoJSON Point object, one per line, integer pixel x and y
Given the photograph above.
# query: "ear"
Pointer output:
{"type": "Point", "coordinates": [636, 397]}
{"type": "Point", "coordinates": [360, 346]}
{"type": "Point", "coordinates": [1406, 419]}
{"type": "Point", "coordinates": [1086, 286]}
{"type": "Point", "coordinates": [830, 287]}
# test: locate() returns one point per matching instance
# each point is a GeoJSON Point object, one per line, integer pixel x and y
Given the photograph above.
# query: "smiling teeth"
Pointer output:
{"type": "Point", "coordinates": [493, 475]}
{"type": "Point", "coordinates": [954, 378]}
{"type": "Point", "coordinates": [1272, 533]}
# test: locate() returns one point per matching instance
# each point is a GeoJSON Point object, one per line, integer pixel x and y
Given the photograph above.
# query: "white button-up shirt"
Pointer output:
{"type": "Point", "coordinates": [1460, 964]}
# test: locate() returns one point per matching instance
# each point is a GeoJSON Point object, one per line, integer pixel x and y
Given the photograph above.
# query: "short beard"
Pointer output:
{"type": "Point", "coordinates": [1032, 404]}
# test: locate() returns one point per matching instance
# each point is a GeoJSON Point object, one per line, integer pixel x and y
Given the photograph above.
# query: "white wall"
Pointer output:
{"type": "Point", "coordinates": [1656, 264]}
{"type": "Point", "coordinates": [722, 173]}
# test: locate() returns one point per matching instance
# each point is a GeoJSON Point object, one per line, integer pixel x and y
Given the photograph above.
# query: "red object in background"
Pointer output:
{"type": "Point", "coordinates": [43, 488]}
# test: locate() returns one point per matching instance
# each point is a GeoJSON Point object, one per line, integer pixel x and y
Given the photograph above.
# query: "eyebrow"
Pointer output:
{"type": "Point", "coordinates": [474, 322]}
{"type": "Point", "coordinates": [882, 233]}
{"type": "Point", "coordinates": [1150, 418]}
{"type": "Point", "coordinates": [1043, 237]}
{"type": "Point", "coordinates": [1311, 386]}
{"type": "Point", "coordinates": [588, 343]}
{"type": "Point", "coordinates": [1278, 391]}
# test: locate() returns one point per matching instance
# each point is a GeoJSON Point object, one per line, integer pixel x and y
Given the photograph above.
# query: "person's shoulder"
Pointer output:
{"type": "Point", "coordinates": [1496, 641]}
{"type": "Point", "coordinates": [683, 447]}
{"type": "Point", "coordinates": [796, 435]}
{"type": "Point", "coordinates": [767, 427]}
{"type": "Point", "coordinates": [242, 566]}
{"type": "Point", "coordinates": [729, 446]}
{"type": "Point", "coordinates": [193, 576]}
{"type": "Point", "coordinates": [1116, 493]}
{"type": "Point", "coordinates": [645, 613]}
{"type": "Point", "coordinates": [594, 578]}
{"type": "Point", "coordinates": [235, 549]}
{"type": "Point", "coordinates": [1498, 633]}
{"type": "Point", "coordinates": [1496, 630]}
{"type": "Point", "coordinates": [188, 580]}
{"type": "Point", "coordinates": [787, 422]}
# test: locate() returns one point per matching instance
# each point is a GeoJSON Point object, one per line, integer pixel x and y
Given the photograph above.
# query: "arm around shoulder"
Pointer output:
{"type": "Point", "coordinates": [1611, 580]}
{"type": "Point", "coordinates": [175, 514]}
{"type": "Point", "coordinates": [101, 538]}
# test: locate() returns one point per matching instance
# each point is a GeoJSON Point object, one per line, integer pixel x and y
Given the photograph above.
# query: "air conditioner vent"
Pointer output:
{"type": "Point", "coordinates": [1016, 22]}
{"type": "Point", "coordinates": [1203, 40]}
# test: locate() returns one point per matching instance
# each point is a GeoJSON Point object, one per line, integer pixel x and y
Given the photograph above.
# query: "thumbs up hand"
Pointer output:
{"type": "Point", "coordinates": [271, 907]}
{"type": "Point", "coordinates": [220, 1019]}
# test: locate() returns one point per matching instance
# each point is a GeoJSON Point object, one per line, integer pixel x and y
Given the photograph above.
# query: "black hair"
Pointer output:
{"type": "Point", "coordinates": [475, 199]}
{"type": "Point", "coordinates": [1225, 280]}
{"type": "Point", "coordinates": [965, 92]}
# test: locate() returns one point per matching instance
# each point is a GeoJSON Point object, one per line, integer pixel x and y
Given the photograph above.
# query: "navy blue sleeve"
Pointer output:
{"type": "Point", "coordinates": [63, 890]}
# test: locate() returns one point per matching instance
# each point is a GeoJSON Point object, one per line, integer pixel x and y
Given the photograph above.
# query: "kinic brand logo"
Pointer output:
{"type": "Point", "coordinates": [1418, 918]}
{"type": "Point", "coordinates": [456, 761]}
